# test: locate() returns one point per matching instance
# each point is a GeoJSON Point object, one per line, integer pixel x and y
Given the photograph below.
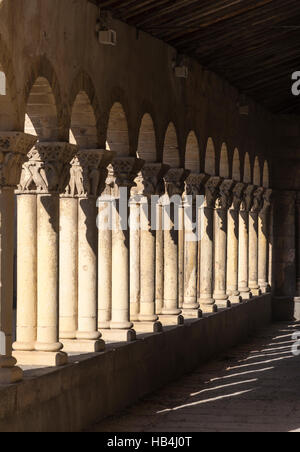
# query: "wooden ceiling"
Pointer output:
{"type": "Point", "coordinates": [254, 44]}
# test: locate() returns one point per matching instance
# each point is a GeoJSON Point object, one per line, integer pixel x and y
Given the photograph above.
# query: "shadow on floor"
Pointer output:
{"type": "Point", "coordinates": [252, 388]}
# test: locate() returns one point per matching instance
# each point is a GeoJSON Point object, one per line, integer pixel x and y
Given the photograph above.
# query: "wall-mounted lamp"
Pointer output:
{"type": "Point", "coordinates": [106, 35]}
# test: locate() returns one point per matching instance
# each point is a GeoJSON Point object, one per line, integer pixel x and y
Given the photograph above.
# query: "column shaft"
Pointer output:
{"type": "Point", "coordinates": [135, 261]}
{"type": "Point", "coordinates": [68, 268]}
{"type": "Point", "coordinates": [159, 272]}
{"type": "Point", "coordinates": [26, 272]}
{"type": "Point", "coordinates": [104, 265]}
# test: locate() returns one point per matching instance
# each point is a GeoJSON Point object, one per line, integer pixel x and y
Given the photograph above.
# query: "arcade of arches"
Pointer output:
{"type": "Point", "coordinates": [74, 127]}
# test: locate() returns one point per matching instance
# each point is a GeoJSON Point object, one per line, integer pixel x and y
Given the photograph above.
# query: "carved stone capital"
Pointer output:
{"type": "Point", "coordinates": [174, 181]}
{"type": "Point", "coordinates": [238, 193]}
{"type": "Point", "coordinates": [195, 184]}
{"type": "Point", "coordinates": [14, 147]}
{"type": "Point", "coordinates": [212, 191]}
{"type": "Point", "coordinates": [247, 201]}
{"type": "Point", "coordinates": [122, 173]}
{"type": "Point", "coordinates": [225, 195]}
{"type": "Point", "coordinates": [47, 168]}
{"type": "Point", "coordinates": [267, 200]}
{"type": "Point", "coordinates": [257, 204]}
{"type": "Point", "coordinates": [150, 180]}
{"type": "Point", "coordinates": [87, 173]}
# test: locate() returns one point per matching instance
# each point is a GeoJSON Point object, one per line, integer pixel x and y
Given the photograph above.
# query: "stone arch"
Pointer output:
{"type": "Point", "coordinates": [83, 128]}
{"type": "Point", "coordinates": [171, 154]}
{"type": "Point", "coordinates": [247, 169]}
{"type": "Point", "coordinates": [146, 149]}
{"type": "Point", "coordinates": [192, 153]}
{"type": "Point", "coordinates": [117, 139]}
{"type": "Point", "coordinates": [236, 166]}
{"type": "Point", "coordinates": [41, 112]}
{"type": "Point", "coordinates": [43, 81]}
{"type": "Point", "coordinates": [210, 158]}
{"type": "Point", "coordinates": [9, 111]}
{"type": "Point", "coordinates": [256, 172]}
{"type": "Point", "coordinates": [224, 162]}
{"type": "Point", "coordinates": [266, 175]}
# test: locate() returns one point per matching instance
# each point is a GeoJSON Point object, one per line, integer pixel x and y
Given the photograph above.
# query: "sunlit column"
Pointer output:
{"type": "Point", "coordinates": [13, 151]}
{"type": "Point", "coordinates": [223, 202]}
{"type": "Point", "coordinates": [193, 199]}
{"type": "Point", "coordinates": [207, 302]}
{"type": "Point", "coordinates": [135, 257]}
{"type": "Point", "coordinates": [253, 241]}
{"type": "Point", "coordinates": [148, 185]}
{"type": "Point", "coordinates": [263, 242]}
{"type": "Point", "coordinates": [174, 184]}
{"type": "Point", "coordinates": [122, 173]}
{"type": "Point", "coordinates": [81, 275]}
{"type": "Point", "coordinates": [44, 175]}
{"type": "Point", "coordinates": [233, 244]}
{"type": "Point", "coordinates": [244, 243]}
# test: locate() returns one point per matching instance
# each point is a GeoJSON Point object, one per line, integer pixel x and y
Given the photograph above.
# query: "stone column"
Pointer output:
{"type": "Point", "coordinates": [298, 247]}
{"type": "Point", "coordinates": [233, 245]}
{"type": "Point", "coordinates": [135, 256]}
{"type": "Point", "coordinates": [244, 243]}
{"type": "Point", "coordinates": [121, 175]}
{"type": "Point", "coordinates": [148, 184]}
{"type": "Point", "coordinates": [253, 241]}
{"type": "Point", "coordinates": [79, 272]}
{"type": "Point", "coordinates": [174, 188]}
{"type": "Point", "coordinates": [159, 272]}
{"type": "Point", "coordinates": [13, 151]}
{"type": "Point", "coordinates": [263, 242]}
{"type": "Point", "coordinates": [223, 202]}
{"type": "Point", "coordinates": [44, 176]}
{"type": "Point", "coordinates": [194, 188]}
{"type": "Point", "coordinates": [207, 302]}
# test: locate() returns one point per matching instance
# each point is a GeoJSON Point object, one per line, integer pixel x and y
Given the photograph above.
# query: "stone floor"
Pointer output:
{"type": "Point", "coordinates": [252, 388]}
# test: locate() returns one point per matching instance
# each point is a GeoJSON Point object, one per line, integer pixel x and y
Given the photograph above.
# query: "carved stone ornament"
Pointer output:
{"type": "Point", "coordinates": [238, 193]}
{"type": "Point", "coordinates": [87, 173]}
{"type": "Point", "coordinates": [47, 168]}
{"type": "Point", "coordinates": [211, 191]}
{"type": "Point", "coordinates": [150, 180]}
{"type": "Point", "coordinates": [14, 147]}
{"type": "Point", "coordinates": [122, 173]}
{"type": "Point", "coordinates": [174, 181]}
{"type": "Point", "coordinates": [246, 204]}
{"type": "Point", "coordinates": [225, 195]}
{"type": "Point", "coordinates": [267, 200]}
{"type": "Point", "coordinates": [195, 184]}
{"type": "Point", "coordinates": [257, 204]}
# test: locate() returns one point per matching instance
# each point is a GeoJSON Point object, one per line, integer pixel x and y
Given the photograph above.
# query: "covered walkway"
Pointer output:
{"type": "Point", "coordinates": [252, 388]}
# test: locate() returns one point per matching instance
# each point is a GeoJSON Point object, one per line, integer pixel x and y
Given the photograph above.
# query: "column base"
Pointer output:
{"type": "Point", "coordinates": [171, 320]}
{"type": "Point", "coordinates": [38, 358]}
{"type": "Point", "coordinates": [148, 327]}
{"type": "Point", "coordinates": [246, 295]}
{"type": "Point", "coordinates": [83, 346]}
{"type": "Point", "coordinates": [104, 325]}
{"type": "Point", "coordinates": [265, 290]}
{"type": "Point", "coordinates": [147, 318]}
{"type": "Point", "coordinates": [121, 326]}
{"type": "Point", "coordinates": [119, 335]}
{"type": "Point", "coordinates": [192, 313]}
{"type": "Point", "coordinates": [256, 292]}
{"type": "Point", "coordinates": [209, 308]}
{"type": "Point", "coordinates": [9, 372]}
{"type": "Point", "coordinates": [171, 311]}
{"type": "Point", "coordinates": [223, 304]}
{"type": "Point", "coordinates": [235, 299]}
